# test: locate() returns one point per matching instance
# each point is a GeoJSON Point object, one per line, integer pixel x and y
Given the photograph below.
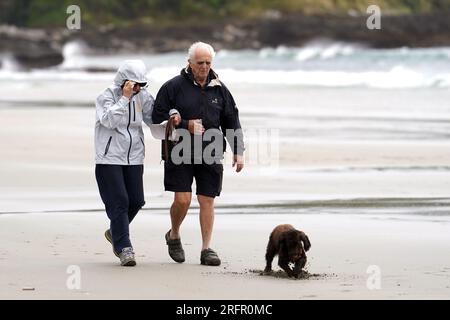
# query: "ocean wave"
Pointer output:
{"type": "Point", "coordinates": [8, 63]}
{"type": "Point", "coordinates": [314, 50]}
{"type": "Point", "coordinates": [55, 75]}
{"type": "Point", "coordinates": [397, 77]}
{"type": "Point", "coordinates": [321, 63]}
{"type": "Point", "coordinates": [320, 54]}
{"type": "Point", "coordinates": [328, 52]}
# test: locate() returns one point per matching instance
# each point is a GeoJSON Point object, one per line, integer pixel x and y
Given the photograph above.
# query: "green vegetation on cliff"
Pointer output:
{"type": "Point", "coordinates": [51, 13]}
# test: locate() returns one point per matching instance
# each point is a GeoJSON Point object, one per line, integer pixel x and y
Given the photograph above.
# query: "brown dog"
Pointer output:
{"type": "Point", "coordinates": [290, 245]}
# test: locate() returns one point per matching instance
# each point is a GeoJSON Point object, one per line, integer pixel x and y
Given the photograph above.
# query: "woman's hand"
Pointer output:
{"type": "Point", "coordinates": [177, 119]}
{"type": "Point", "coordinates": [128, 89]}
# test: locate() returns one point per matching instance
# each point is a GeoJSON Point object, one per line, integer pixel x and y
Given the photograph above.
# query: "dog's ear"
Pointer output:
{"type": "Point", "coordinates": [305, 240]}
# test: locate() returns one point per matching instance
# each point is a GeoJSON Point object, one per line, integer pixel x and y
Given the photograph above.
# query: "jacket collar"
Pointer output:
{"type": "Point", "coordinates": [212, 81]}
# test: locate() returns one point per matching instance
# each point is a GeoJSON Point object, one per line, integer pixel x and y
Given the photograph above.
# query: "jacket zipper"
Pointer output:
{"type": "Point", "coordinates": [107, 145]}
{"type": "Point", "coordinates": [128, 129]}
{"type": "Point", "coordinates": [134, 112]}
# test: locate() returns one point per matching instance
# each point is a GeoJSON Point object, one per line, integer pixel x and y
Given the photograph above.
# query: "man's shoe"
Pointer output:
{"type": "Point", "coordinates": [176, 251]}
{"type": "Point", "coordinates": [209, 257]}
{"type": "Point", "coordinates": [108, 237]}
{"type": "Point", "coordinates": [127, 257]}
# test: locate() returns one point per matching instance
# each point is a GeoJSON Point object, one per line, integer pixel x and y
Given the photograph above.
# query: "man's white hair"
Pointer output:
{"type": "Point", "coordinates": [197, 45]}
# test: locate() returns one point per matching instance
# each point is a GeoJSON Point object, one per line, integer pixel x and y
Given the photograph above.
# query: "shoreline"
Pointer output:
{"type": "Point", "coordinates": [305, 204]}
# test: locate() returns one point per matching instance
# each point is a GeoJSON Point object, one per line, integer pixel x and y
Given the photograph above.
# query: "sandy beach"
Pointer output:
{"type": "Point", "coordinates": [345, 111]}
{"type": "Point", "coordinates": [393, 219]}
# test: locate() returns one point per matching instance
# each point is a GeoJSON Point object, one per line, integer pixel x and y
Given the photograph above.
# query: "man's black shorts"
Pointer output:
{"type": "Point", "coordinates": [179, 178]}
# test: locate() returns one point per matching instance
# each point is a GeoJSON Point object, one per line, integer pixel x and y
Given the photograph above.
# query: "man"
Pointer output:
{"type": "Point", "coordinates": [120, 150]}
{"type": "Point", "coordinates": [197, 101]}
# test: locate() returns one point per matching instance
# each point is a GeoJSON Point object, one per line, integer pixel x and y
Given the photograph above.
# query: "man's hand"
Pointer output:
{"type": "Point", "coordinates": [195, 126]}
{"type": "Point", "coordinates": [128, 89]}
{"type": "Point", "coordinates": [238, 160]}
{"type": "Point", "coordinates": [177, 119]}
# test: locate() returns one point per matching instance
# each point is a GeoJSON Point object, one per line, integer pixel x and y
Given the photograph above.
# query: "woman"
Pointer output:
{"type": "Point", "coordinates": [120, 150]}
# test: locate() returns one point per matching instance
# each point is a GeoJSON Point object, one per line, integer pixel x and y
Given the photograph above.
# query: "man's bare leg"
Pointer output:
{"type": "Point", "coordinates": [178, 211]}
{"type": "Point", "coordinates": [206, 219]}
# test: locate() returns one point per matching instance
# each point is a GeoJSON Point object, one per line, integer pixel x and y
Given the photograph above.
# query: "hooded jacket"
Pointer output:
{"type": "Point", "coordinates": [214, 104]}
{"type": "Point", "coordinates": [119, 138]}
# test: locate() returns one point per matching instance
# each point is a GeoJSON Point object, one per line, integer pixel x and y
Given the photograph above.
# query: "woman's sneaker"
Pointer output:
{"type": "Point", "coordinates": [127, 257]}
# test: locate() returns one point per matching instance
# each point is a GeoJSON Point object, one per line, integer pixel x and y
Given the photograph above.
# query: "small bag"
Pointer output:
{"type": "Point", "coordinates": [167, 144]}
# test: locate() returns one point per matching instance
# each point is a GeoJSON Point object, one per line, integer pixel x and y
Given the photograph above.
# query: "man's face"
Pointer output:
{"type": "Point", "coordinates": [201, 64]}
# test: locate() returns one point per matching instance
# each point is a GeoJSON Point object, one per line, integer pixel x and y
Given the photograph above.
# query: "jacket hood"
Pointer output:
{"type": "Point", "coordinates": [133, 70]}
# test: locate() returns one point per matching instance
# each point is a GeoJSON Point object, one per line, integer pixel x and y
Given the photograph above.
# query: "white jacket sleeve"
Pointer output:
{"type": "Point", "coordinates": [109, 112]}
{"type": "Point", "coordinates": [148, 109]}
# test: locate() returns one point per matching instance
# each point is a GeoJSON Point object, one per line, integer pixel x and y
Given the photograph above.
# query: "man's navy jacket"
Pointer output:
{"type": "Point", "coordinates": [213, 103]}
